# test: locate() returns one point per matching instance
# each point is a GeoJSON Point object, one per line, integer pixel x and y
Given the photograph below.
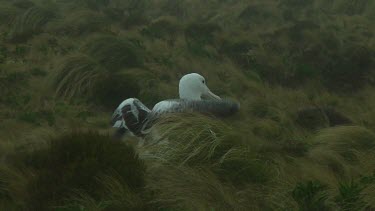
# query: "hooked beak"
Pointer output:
{"type": "Point", "coordinates": [210, 95]}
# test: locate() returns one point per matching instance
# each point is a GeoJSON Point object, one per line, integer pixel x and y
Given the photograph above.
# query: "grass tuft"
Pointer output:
{"type": "Point", "coordinates": [347, 141]}
{"type": "Point", "coordinates": [76, 75]}
{"type": "Point", "coordinates": [29, 23]}
{"type": "Point", "coordinates": [311, 195]}
{"type": "Point", "coordinates": [73, 162]}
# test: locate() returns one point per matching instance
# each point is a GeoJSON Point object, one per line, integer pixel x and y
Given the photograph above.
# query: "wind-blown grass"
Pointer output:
{"type": "Point", "coordinates": [7, 13]}
{"type": "Point", "coordinates": [87, 162]}
{"type": "Point", "coordinates": [280, 59]}
{"type": "Point", "coordinates": [182, 145]}
{"type": "Point", "coordinates": [190, 139]}
{"type": "Point", "coordinates": [29, 23]}
{"type": "Point", "coordinates": [189, 144]}
{"type": "Point", "coordinates": [76, 75]}
{"type": "Point", "coordinates": [347, 141]}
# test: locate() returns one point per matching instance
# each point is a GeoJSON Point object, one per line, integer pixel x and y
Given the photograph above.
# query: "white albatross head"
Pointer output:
{"type": "Point", "coordinates": [193, 87]}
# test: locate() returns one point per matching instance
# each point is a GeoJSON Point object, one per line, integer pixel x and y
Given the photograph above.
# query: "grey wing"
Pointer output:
{"type": "Point", "coordinates": [131, 107]}
{"type": "Point", "coordinates": [117, 120]}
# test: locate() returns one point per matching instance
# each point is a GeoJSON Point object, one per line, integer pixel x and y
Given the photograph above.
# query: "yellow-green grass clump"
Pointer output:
{"type": "Point", "coordinates": [189, 144]}
{"type": "Point", "coordinates": [349, 142]}
{"type": "Point", "coordinates": [77, 164]}
{"type": "Point", "coordinates": [75, 75]}
{"type": "Point", "coordinates": [79, 76]}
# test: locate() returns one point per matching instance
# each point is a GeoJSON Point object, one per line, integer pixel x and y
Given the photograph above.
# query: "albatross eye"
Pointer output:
{"type": "Point", "coordinates": [203, 81]}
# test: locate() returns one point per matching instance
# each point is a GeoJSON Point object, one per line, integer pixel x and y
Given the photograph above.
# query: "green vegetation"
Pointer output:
{"type": "Point", "coordinates": [113, 53]}
{"type": "Point", "coordinates": [82, 161]}
{"type": "Point", "coordinates": [29, 23]}
{"type": "Point", "coordinates": [303, 72]}
{"type": "Point", "coordinates": [75, 75]}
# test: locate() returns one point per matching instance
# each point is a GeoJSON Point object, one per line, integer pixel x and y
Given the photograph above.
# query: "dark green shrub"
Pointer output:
{"type": "Point", "coordinates": [114, 53]}
{"type": "Point", "coordinates": [350, 197]}
{"type": "Point", "coordinates": [135, 14]}
{"type": "Point", "coordinates": [112, 90]}
{"type": "Point", "coordinates": [175, 8]}
{"type": "Point", "coordinates": [29, 23]}
{"type": "Point", "coordinates": [312, 118]}
{"type": "Point", "coordinates": [11, 83]}
{"type": "Point", "coordinates": [350, 70]}
{"type": "Point", "coordinates": [36, 71]}
{"type": "Point", "coordinates": [3, 53]}
{"type": "Point", "coordinates": [317, 118]}
{"type": "Point", "coordinates": [296, 32]}
{"type": "Point", "coordinates": [37, 117]}
{"type": "Point", "coordinates": [255, 14]}
{"type": "Point", "coordinates": [311, 196]}
{"type": "Point", "coordinates": [201, 33]}
{"type": "Point", "coordinates": [75, 162]}
{"type": "Point", "coordinates": [163, 28]}
{"type": "Point", "coordinates": [239, 51]}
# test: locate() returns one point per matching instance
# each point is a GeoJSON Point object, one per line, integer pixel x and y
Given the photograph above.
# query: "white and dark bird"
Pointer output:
{"type": "Point", "coordinates": [194, 95]}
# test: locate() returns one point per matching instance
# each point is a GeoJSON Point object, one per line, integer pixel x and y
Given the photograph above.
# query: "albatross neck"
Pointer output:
{"type": "Point", "coordinates": [189, 95]}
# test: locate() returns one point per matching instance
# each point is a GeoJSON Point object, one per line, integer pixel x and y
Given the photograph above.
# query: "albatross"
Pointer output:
{"type": "Point", "coordinates": [132, 115]}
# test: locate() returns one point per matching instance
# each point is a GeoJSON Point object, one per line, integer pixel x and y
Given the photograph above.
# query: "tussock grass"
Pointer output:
{"type": "Point", "coordinates": [189, 144]}
{"type": "Point", "coordinates": [7, 13]}
{"type": "Point", "coordinates": [118, 196]}
{"type": "Point", "coordinates": [347, 140]}
{"type": "Point", "coordinates": [76, 75]}
{"type": "Point", "coordinates": [277, 58]}
{"type": "Point", "coordinates": [184, 188]}
{"type": "Point", "coordinates": [85, 161]}
{"type": "Point", "coordinates": [311, 195]}
{"type": "Point", "coordinates": [79, 76]}
{"type": "Point", "coordinates": [29, 23]}
{"type": "Point", "coordinates": [345, 150]}
{"type": "Point", "coordinates": [80, 22]}
{"type": "Point", "coordinates": [187, 138]}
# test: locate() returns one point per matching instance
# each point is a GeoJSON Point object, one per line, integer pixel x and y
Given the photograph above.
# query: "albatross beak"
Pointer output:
{"type": "Point", "coordinates": [211, 95]}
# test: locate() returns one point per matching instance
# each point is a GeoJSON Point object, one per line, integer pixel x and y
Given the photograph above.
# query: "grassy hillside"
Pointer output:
{"type": "Point", "coordinates": [303, 71]}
